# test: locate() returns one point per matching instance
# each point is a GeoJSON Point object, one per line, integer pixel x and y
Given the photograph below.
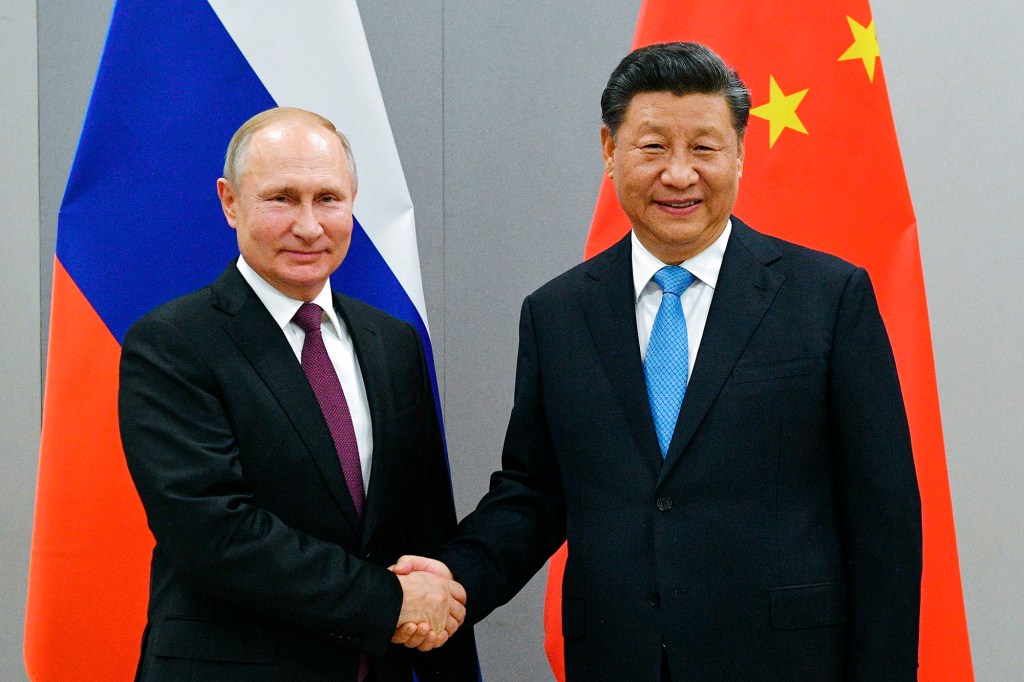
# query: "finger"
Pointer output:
{"type": "Point", "coordinates": [429, 642]}
{"type": "Point", "coordinates": [456, 611]}
{"type": "Point", "coordinates": [457, 591]}
{"type": "Point", "coordinates": [421, 633]}
{"type": "Point", "coordinates": [404, 633]}
{"type": "Point", "coordinates": [453, 625]}
{"type": "Point", "coordinates": [434, 642]}
{"type": "Point", "coordinates": [417, 641]}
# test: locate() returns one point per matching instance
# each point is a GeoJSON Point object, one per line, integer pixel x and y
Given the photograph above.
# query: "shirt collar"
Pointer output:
{"type": "Point", "coordinates": [705, 266]}
{"type": "Point", "coordinates": [283, 308]}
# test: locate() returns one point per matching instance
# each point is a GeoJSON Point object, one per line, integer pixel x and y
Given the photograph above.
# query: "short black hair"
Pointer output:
{"type": "Point", "coordinates": [679, 68]}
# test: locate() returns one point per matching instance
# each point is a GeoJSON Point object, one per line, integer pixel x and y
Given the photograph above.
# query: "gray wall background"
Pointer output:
{"type": "Point", "coordinates": [494, 109]}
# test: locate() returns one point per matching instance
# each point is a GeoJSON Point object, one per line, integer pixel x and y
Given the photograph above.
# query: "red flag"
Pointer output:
{"type": "Point", "coordinates": [823, 169]}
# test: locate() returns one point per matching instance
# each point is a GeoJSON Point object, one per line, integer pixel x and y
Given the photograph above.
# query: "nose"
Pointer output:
{"type": "Point", "coordinates": [680, 171]}
{"type": "Point", "coordinates": [306, 225]}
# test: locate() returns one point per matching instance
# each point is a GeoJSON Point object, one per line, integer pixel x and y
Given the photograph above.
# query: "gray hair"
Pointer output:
{"type": "Point", "coordinates": [237, 156]}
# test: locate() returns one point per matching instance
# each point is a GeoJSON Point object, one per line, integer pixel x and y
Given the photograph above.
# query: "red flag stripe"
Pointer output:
{"type": "Point", "coordinates": [77, 618]}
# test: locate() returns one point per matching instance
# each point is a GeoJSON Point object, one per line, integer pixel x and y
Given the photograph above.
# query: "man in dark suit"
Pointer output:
{"type": "Point", "coordinates": [285, 445]}
{"type": "Point", "coordinates": [713, 419]}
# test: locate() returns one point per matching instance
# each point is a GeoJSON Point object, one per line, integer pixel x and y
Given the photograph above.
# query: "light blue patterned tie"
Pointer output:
{"type": "Point", "coordinates": [667, 361]}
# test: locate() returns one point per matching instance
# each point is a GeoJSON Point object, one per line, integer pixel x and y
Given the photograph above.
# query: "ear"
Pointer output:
{"type": "Point", "coordinates": [228, 201]}
{"type": "Point", "coordinates": [608, 150]}
{"type": "Point", "coordinates": [739, 155]}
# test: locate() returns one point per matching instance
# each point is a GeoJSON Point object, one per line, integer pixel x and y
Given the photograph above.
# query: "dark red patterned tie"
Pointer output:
{"type": "Point", "coordinates": [324, 380]}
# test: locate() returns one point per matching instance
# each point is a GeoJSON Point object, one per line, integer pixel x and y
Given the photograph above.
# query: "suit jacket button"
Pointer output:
{"type": "Point", "coordinates": [654, 599]}
{"type": "Point", "coordinates": [664, 503]}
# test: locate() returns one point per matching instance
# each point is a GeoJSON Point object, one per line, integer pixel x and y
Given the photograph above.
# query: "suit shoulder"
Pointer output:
{"type": "Point", "coordinates": [393, 330]}
{"type": "Point", "coordinates": [793, 258]}
{"type": "Point", "coordinates": [564, 282]}
{"type": "Point", "coordinates": [367, 314]}
{"type": "Point", "coordinates": [615, 258]}
{"type": "Point", "coordinates": [178, 312]}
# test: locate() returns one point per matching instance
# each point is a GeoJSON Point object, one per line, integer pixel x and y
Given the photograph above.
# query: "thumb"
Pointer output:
{"type": "Point", "coordinates": [406, 565]}
{"type": "Point", "coordinates": [409, 563]}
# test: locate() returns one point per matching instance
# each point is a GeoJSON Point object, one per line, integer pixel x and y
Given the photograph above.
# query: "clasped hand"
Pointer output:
{"type": "Point", "coordinates": [433, 604]}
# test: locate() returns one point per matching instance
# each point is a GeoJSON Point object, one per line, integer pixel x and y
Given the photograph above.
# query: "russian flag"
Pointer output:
{"type": "Point", "coordinates": [140, 224]}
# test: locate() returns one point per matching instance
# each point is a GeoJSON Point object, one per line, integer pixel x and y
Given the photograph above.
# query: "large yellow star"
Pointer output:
{"type": "Point", "coordinates": [865, 46]}
{"type": "Point", "coordinates": [780, 112]}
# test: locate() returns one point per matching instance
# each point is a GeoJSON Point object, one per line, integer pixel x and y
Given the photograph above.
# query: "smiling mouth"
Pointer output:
{"type": "Point", "coordinates": [680, 204]}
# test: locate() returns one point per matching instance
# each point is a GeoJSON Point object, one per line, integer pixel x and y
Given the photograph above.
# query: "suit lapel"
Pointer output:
{"type": "Point", "coordinates": [609, 306]}
{"type": "Point", "coordinates": [372, 360]}
{"type": "Point", "coordinates": [260, 340]}
{"type": "Point", "coordinates": [745, 290]}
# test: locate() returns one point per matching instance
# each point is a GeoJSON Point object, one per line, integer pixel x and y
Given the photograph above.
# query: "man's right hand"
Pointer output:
{"type": "Point", "coordinates": [433, 606]}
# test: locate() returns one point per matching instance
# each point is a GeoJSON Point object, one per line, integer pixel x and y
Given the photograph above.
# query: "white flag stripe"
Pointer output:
{"type": "Point", "coordinates": [314, 55]}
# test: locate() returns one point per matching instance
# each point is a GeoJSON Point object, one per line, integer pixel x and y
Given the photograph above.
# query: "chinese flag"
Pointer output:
{"type": "Point", "coordinates": [823, 169]}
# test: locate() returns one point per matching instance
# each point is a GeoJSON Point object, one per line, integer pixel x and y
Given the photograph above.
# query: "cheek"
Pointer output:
{"type": "Point", "coordinates": [339, 228]}
{"type": "Point", "coordinates": [271, 223]}
{"type": "Point", "coordinates": [633, 178]}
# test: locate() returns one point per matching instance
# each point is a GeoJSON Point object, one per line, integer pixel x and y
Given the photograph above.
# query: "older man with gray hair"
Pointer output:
{"type": "Point", "coordinates": [284, 442]}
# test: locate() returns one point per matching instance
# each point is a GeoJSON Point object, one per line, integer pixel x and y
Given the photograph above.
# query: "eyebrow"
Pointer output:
{"type": "Point", "coordinates": [651, 127]}
{"type": "Point", "coordinates": [292, 189]}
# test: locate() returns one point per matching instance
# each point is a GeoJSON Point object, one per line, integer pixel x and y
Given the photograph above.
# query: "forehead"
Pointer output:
{"type": "Point", "coordinates": [295, 146]}
{"type": "Point", "coordinates": [691, 112]}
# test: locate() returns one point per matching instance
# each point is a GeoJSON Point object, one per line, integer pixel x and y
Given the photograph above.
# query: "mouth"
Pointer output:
{"type": "Point", "coordinates": [679, 204]}
{"type": "Point", "coordinates": [303, 255]}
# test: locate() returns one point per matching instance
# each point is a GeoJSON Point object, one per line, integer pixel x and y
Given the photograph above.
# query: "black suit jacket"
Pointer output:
{"type": "Point", "coordinates": [262, 570]}
{"type": "Point", "coordinates": [780, 539]}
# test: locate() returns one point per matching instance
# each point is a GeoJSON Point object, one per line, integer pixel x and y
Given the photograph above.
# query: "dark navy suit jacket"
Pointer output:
{"type": "Point", "coordinates": [780, 539]}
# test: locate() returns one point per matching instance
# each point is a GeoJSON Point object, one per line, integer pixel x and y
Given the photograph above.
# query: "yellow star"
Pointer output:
{"type": "Point", "coordinates": [865, 46]}
{"type": "Point", "coordinates": [780, 111]}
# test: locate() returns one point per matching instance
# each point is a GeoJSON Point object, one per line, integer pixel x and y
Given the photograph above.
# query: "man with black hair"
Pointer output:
{"type": "Point", "coordinates": [712, 418]}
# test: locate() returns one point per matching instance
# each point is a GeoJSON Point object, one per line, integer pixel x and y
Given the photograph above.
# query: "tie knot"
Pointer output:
{"type": "Point", "coordinates": [309, 317]}
{"type": "Point", "coordinates": [673, 279]}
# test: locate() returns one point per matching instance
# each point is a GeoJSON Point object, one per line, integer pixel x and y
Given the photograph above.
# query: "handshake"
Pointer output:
{"type": "Point", "coordinates": [433, 604]}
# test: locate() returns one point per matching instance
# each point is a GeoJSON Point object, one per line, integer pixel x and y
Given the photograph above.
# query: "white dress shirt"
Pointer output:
{"type": "Point", "coordinates": [339, 348]}
{"type": "Point", "coordinates": [696, 300]}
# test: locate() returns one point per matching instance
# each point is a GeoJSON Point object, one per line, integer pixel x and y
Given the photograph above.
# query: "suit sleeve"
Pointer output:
{"type": "Point", "coordinates": [184, 460]}
{"type": "Point", "coordinates": [434, 524]}
{"type": "Point", "coordinates": [879, 503]}
{"type": "Point", "coordinates": [520, 522]}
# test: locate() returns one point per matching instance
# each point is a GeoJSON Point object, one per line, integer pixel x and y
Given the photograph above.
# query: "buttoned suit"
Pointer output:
{"type": "Point", "coordinates": [262, 569]}
{"type": "Point", "coordinates": [779, 539]}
